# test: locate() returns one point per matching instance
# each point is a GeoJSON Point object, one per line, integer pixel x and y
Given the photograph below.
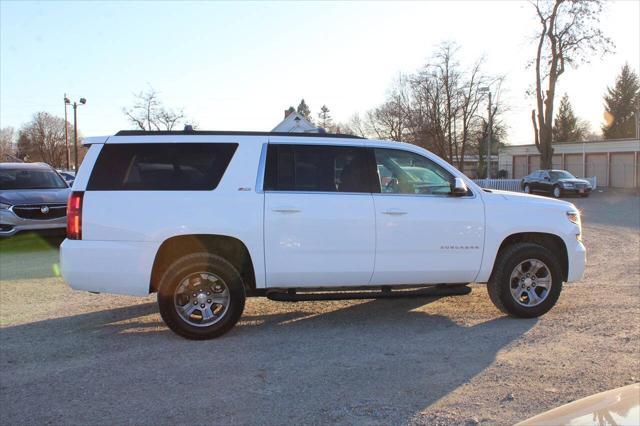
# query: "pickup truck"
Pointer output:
{"type": "Point", "coordinates": [206, 219]}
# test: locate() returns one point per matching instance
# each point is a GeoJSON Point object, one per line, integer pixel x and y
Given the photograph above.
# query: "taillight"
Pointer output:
{"type": "Point", "coordinates": [74, 216]}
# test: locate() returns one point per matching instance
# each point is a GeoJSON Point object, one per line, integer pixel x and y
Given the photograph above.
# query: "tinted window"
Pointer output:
{"type": "Point", "coordinates": [402, 172]}
{"type": "Point", "coordinates": [160, 166]}
{"type": "Point", "coordinates": [561, 174]}
{"type": "Point", "coordinates": [30, 179]}
{"type": "Point", "coordinates": [319, 168]}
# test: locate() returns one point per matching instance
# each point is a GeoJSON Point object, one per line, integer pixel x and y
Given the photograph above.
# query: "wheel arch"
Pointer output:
{"type": "Point", "coordinates": [230, 248]}
{"type": "Point", "coordinates": [552, 242]}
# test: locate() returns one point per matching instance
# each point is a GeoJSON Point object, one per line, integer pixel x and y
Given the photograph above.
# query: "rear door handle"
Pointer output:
{"type": "Point", "coordinates": [286, 210]}
{"type": "Point", "coordinates": [394, 212]}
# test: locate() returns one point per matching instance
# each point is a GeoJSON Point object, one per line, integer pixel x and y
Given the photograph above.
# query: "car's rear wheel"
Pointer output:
{"type": "Point", "coordinates": [556, 192]}
{"type": "Point", "coordinates": [526, 281]}
{"type": "Point", "coordinates": [527, 189]}
{"type": "Point", "coordinates": [201, 296]}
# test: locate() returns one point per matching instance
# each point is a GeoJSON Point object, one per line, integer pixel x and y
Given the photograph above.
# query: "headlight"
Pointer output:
{"type": "Point", "coordinates": [4, 206]}
{"type": "Point", "coordinates": [574, 216]}
{"type": "Point", "coordinates": [567, 185]}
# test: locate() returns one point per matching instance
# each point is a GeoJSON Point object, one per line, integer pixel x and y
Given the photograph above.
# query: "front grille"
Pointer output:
{"type": "Point", "coordinates": [581, 185]}
{"type": "Point", "coordinates": [41, 211]}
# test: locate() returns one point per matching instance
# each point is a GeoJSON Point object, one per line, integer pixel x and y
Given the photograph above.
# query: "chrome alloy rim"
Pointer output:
{"type": "Point", "coordinates": [201, 299]}
{"type": "Point", "coordinates": [530, 283]}
{"type": "Point", "coordinates": [526, 189]}
{"type": "Point", "coordinates": [556, 192]}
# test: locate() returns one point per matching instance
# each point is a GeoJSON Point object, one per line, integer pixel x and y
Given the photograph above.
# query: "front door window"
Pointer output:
{"type": "Point", "coordinates": [403, 172]}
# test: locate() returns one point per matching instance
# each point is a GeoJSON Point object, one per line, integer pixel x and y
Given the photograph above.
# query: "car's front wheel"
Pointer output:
{"type": "Point", "coordinates": [201, 296]}
{"type": "Point", "coordinates": [526, 281]}
{"type": "Point", "coordinates": [527, 189]}
{"type": "Point", "coordinates": [556, 192]}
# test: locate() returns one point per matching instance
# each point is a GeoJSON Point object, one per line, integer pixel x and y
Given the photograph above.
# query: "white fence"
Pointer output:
{"type": "Point", "coordinates": [514, 184]}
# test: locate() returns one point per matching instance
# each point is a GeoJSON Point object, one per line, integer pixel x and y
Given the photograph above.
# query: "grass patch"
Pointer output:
{"type": "Point", "coordinates": [29, 255]}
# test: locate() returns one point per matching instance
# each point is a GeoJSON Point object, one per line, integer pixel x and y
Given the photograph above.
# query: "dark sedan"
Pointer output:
{"type": "Point", "coordinates": [32, 197]}
{"type": "Point", "coordinates": [556, 183]}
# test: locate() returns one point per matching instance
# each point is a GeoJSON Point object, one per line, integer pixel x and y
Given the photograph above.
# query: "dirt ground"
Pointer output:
{"type": "Point", "coordinates": [76, 358]}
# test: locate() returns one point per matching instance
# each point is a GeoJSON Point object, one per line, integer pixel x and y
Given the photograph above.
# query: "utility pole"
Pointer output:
{"type": "Point", "coordinates": [487, 89]}
{"type": "Point", "coordinates": [66, 132]}
{"type": "Point", "coordinates": [489, 138]}
{"type": "Point", "coordinates": [75, 133]}
{"type": "Point", "coordinates": [75, 137]}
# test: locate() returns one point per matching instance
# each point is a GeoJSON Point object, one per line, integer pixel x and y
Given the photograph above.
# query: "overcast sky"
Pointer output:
{"type": "Point", "coordinates": [237, 66]}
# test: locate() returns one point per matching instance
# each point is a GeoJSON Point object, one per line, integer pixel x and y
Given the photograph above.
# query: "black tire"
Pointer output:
{"type": "Point", "coordinates": [499, 283]}
{"type": "Point", "coordinates": [526, 189]}
{"type": "Point", "coordinates": [553, 191]}
{"type": "Point", "coordinates": [190, 264]}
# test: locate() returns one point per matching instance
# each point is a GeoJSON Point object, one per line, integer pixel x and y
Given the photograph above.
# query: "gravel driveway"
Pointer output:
{"type": "Point", "coordinates": [76, 358]}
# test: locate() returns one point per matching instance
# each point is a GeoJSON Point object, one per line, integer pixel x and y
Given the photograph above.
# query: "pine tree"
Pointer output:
{"type": "Point", "coordinates": [566, 126]}
{"type": "Point", "coordinates": [304, 110]}
{"type": "Point", "coordinates": [621, 103]}
{"type": "Point", "coordinates": [324, 117]}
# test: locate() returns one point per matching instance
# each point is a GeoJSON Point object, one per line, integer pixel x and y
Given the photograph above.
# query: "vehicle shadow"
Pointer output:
{"type": "Point", "coordinates": [379, 362]}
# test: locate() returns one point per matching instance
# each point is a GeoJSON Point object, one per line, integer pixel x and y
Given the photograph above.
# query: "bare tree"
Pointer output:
{"type": "Point", "coordinates": [568, 36]}
{"type": "Point", "coordinates": [446, 98]}
{"type": "Point", "coordinates": [438, 108]}
{"type": "Point", "coordinates": [355, 126]}
{"type": "Point", "coordinates": [42, 139]}
{"type": "Point", "coordinates": [148, 113]}
{"type": "Point", "coordinates": [7, 149]}
{"type": "Point", "coordinates": [391, 120]}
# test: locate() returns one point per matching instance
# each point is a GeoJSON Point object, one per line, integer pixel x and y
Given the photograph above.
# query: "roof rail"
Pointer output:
{"type": "Point", "coordinates": [230, 133]}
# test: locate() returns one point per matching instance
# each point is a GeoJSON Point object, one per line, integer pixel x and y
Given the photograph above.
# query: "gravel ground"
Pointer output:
{"type": "Point", "coordinates": [75, 358]}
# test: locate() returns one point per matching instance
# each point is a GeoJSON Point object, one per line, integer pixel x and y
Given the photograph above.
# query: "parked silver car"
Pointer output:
{"type": "Point", "coordinates": [33, 196]}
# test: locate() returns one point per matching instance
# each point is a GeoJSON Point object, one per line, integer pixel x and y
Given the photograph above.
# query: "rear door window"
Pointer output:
{"type": "Point", "coordinates": [320, 168]}
{"type": "Point", "coordinates": [161, 166]}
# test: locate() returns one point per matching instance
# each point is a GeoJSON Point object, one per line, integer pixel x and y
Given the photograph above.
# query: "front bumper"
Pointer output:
{"type": "Point", "coordinates": [577, 257]}
{"type": "Point", "coordinates": [10, 224]}
{"type": "Point", "coordinates": [576, 191]}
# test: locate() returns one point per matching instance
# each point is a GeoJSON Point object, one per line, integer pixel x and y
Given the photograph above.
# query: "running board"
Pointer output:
{"type": "Point", "coordinates": [386, 293]}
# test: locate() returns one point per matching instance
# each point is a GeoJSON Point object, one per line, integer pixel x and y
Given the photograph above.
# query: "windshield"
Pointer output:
{"type": "Point", "coordinates": [555, 175]}
{"type": "Point", "coordinates": [30, 179]}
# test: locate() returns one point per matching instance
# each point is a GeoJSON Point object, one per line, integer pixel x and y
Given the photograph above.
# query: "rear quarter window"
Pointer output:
{"type": "Point", "coordinates": [161, 166]}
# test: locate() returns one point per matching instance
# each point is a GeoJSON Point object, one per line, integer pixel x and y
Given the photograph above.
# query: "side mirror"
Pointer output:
{"type": "Point", "coordinates": [547, 178]}
{"type": "Point", "coordinates": [458, 187]}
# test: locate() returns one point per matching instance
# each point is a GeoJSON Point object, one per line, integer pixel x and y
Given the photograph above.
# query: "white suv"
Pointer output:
{"type": "Point", "coordinates": [206, 219]}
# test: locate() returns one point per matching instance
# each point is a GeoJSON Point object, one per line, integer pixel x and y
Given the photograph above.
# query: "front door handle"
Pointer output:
{"type": "Point", "coordinates": [286, 210]}
{"type": "Point", "coordinates": [394, 212]}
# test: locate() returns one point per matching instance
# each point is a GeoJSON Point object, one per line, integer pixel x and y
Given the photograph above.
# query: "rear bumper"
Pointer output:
{"type": "Point", "coordinates": [10, 224]}
{"type": "Point", "coordinates": [120, 267]}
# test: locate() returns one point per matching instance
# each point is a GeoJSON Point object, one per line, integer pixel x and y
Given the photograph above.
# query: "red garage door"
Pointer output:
{"type": "Point", "coordinates": [597, 166]}
{"type": "Point", "coordinates": [622, 170]}
{"type": "Point", "coordinates": [573, 164]}
{"type": "Point", "coordinates": [519, 166]}
{"type": "Point", "coordinates": [534, 163]}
